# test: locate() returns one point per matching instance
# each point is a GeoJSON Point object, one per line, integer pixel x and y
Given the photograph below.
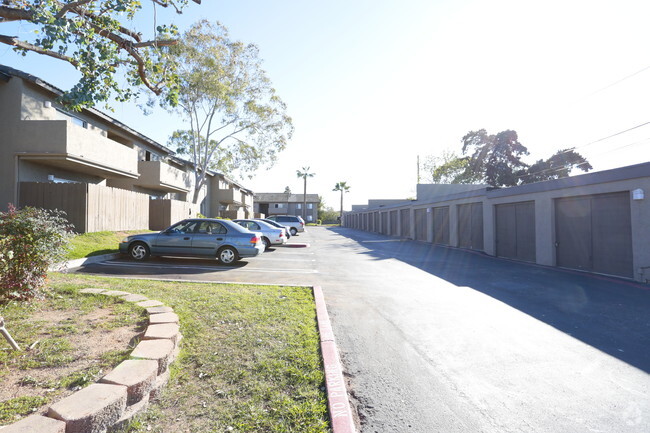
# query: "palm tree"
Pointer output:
{"type": "Point", "coordinates": [343, 187]}
{"type": "Point", "coordinates": [304, 174]}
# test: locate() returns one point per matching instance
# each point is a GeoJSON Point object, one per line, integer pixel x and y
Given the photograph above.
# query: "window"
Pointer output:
{"type": "Point", "coordinates": [309, 217]}
{"type": "Point", "coordinates": [211, 228]}
{"type": "Point", "coordinates": [298, 205]}
{"type": "Point", "coordinates": [310, 205]}
{"type": "Point", "coordinates": [74, 119]}
{"type": "Point", "coordinates": [185, 227]}
{"type": "Point", "coordinates": [279, 205]}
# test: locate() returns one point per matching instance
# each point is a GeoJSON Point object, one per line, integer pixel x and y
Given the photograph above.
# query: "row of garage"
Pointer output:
{"type": "Point", "coordinates": [598, 222]}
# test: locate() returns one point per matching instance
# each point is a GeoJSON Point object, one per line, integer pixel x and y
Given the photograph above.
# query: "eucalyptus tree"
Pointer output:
{"type": "Point", "coordinates": [95, 37]}
{"type": "Point", "coordinates": [304, 174]}
{"type": "Point", "coordinates": [343, 187]}
{"type": "Point", "coordinates": [236, 120]}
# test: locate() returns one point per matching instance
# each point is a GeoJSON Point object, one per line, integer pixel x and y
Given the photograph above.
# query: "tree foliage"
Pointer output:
{"type": "Point", "coordinates": [93, 36]}
{"type": "Point", "coordinates": [496, 159]}
{"type": "Point", "coordinates": [343, 187]}
{"type": "Point", "coordinates": [31, 240]}
{"type": "Point", "coordinates": [448, 168]}
{"type": "Point", "coordinates": [236, 119]}
{"type": "Point", "coordinates": [557, 166]}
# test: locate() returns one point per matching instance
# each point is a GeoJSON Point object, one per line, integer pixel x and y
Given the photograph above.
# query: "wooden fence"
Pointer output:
{"type": "Point", "coordinates": [164, 213]}
{"type": "Point", "coordinates": [90, 208]}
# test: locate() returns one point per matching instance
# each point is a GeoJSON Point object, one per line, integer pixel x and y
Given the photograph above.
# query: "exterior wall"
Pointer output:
{"type": "Point", "coordinates": [544, 196]}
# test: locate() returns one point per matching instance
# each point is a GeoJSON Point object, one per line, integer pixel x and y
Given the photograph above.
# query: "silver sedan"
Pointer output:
{"type": "Point", "coordinates": [270, 235]}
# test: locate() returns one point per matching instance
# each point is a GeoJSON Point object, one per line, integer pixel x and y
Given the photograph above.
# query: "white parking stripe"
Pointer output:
{"type": "Point", "coordinates": [209, 268]}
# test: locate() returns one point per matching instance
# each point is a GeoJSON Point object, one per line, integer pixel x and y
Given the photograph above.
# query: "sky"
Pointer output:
{"type": "Point", "coordinates": [373, 84]}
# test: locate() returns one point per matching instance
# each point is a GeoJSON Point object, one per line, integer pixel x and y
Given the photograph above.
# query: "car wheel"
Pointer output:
{"type": "Point", "coordinates": [139, 251]}
{"type": "Point", "coordinates": [293, 231]}
{"type": "Point", "coordinates": [266, 242]}
{"type": "Point", "coordinates": [227, 255]}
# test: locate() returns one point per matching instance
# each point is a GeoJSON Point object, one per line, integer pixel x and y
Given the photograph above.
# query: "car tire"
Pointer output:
{"type": "Point", "coordinates": [266, 242]}
{"type": "Point", "coordinates": [294, 231]}
{"type": "Point", "coordinates": [227, 255]}
{"type": "Point", "coordinates": [139, 251]}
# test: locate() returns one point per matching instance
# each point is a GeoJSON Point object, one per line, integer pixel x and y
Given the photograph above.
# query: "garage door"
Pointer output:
{"type": "Point", "coordinates": [441, 225]}
{"type": "Point", "coordinates": [420, 218]}
{"type": "Point", "coordinates": [470, 226]}
{"type": "Point", "coordinates": [405, 222]}
{"type": "Point", "coordinates": [594, 233]}
{"type": "Point", "coordinates": [384, 223]}
{"type": "Point", "coordinates": [393, 223]}
{"type": "Point", "coordinates": [515, 235]}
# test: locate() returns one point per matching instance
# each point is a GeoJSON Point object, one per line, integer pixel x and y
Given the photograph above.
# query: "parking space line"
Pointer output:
{"type": "Point", "coordinates": [211, 268]}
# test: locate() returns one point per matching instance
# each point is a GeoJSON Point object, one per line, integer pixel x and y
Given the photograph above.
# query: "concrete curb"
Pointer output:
{"type": "Point", "coordinates": [124, 391]}
{"type": "Point", "coordinates": [337, 395]}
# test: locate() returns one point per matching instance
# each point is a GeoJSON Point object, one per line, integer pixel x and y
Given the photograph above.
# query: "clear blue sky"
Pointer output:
{"type": "Point", "coordinates": [373, 84]}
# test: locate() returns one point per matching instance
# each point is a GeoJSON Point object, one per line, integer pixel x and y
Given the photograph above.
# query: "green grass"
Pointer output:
{"type": "Point", "coordinates": [250, 359]}
{"type": "Point", "coordinates": [93, 244]}
{"type": "Point", "coordinates": [46, 343]}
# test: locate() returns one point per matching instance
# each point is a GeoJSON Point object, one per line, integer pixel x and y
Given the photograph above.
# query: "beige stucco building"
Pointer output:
{"type": "Point", "coordinates": [45, 149]}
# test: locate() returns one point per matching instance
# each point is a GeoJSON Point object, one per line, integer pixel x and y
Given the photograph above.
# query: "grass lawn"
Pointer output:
{"type": "Point", "coordinates": [250, 359]}
{"type": "Point", "coordinates": [58, 336]}
{"type": "Point", "coordinates": [94, 244]}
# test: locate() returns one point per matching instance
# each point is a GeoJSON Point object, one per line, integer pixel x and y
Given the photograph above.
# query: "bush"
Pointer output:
{"type": "Point", "coordinates": [31, 240]}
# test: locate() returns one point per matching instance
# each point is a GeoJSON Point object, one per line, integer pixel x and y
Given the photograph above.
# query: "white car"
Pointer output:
{"type": "Point", "coordinates": [270, 235]}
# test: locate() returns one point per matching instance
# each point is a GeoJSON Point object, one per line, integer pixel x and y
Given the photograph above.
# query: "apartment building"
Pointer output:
{"type": "Point", "coordinates": [104, 174]}
{"type": "Point", "coordinates": [271, 203]}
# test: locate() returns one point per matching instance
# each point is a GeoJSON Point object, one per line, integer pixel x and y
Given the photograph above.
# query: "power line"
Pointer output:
{"type": "Point", "coordinates": [615, 83]}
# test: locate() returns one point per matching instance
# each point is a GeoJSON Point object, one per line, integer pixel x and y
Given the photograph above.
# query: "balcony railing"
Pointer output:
{"type": "Point", "coordinates": [160, 175]}
{"type": "Point", "coordinates": [60, 142]}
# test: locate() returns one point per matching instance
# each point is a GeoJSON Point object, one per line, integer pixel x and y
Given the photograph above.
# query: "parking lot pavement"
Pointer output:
{"type": "Point", "coordinates": [293, 263]}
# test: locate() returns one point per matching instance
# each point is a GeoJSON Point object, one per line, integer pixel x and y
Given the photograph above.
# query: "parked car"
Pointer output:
{"type": "Point", "coordinates": [270, 235]}
{"type": "Point", "coordinates": [201, 237]}
{"type": "Point", "coordinates": [295, 223]}
{"type": "Point", "coordinates": [287, 233]}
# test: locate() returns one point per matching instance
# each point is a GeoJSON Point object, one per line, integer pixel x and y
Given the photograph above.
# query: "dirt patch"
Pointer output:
{"type": "Point", "coordinates": [92, 350]}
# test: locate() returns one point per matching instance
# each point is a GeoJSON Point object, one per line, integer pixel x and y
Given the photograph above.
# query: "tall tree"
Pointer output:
{"type": "Point", "coordinates": [94, 37]}
{"type": "Point", "coordinates": [343, 187]}
{"type": "Point", "coordinates": [557, 166]}
{"type": "Point", "coordinates": [449, 168]}
{"type": "Point", "coordinates": [287, 190]}
{"type": "Point", "coordinates": [236, 119]}
{"type": "Point", "coordinates": [304, 174]}
{"type": "Point", "coordinates": [497, 157]}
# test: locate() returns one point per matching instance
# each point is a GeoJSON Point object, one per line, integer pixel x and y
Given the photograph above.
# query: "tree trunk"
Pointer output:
{"type": "Point", "coordinates": [304, 201]}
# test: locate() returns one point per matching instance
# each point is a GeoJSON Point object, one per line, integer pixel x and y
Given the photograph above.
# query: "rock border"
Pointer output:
{"type": "Point", "coordinates": [126, 390]}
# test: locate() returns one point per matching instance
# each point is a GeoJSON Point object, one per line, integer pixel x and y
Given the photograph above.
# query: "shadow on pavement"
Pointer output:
{"type": "Point", "coordinates": [610, 314]}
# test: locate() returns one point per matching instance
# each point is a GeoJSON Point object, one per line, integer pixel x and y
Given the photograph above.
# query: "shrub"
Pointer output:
{"type": "Point", "coordinates": [31, 240]}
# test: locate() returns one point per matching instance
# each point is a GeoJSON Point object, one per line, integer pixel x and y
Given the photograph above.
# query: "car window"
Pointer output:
{"type": "Point", "coordinates": [210, 227]}
{"type": "Point", "coordinates": [283, 219]}
{"type": "Point", "coordinates": [255, 226]}
{"type": "Point", "coordinates": [184, 227]}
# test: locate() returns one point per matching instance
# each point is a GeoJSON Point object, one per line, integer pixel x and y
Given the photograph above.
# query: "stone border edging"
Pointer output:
{"type": "Point", "coordinates": [75, 263]}
{"type": "Point", "coordinates": [126, 390]}
{"type": "Point", "coordinates": [337, 395]}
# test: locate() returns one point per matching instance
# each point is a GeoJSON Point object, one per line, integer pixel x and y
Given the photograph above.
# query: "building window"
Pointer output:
{"type": "Point", "coordinates": [309, 218]}
{"type": "Point", "coordinates": [298, 205]}
{"type": "Point", "coordinates": [310, 205]}
{"type": "Point", "coordinates": [279, 205]}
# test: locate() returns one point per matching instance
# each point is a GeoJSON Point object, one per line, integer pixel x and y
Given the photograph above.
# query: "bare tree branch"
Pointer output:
{"type": "Point", "coordinates": [14, 41]}
{"type": "Point", "coordinates": [71, 6]}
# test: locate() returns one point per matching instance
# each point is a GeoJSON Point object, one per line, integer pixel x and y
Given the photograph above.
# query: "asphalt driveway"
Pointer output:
{"type": "Point", "coordinates": [435, 339]}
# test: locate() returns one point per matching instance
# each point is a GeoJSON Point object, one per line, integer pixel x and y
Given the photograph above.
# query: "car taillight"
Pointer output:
{"type": "Point", "coordinates": [255, 240]}
{"type": "Point", "coordinates": [302, 224]}
{"type": "Point", "coordinates": [281, 234]}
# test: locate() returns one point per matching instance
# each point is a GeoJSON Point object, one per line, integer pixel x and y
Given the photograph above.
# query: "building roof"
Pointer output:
{"type": "Point", "coordinates": [280, 197]}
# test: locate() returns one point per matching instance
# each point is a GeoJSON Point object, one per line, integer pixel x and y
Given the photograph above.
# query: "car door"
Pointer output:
{"type": "Point", "coordinates": [176, 240]}
{"type": "Point", "coordinates": [208, 238]}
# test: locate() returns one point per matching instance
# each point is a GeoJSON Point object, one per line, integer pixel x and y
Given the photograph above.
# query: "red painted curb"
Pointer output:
{"type": "Point", "coordinates": [337, 395]}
